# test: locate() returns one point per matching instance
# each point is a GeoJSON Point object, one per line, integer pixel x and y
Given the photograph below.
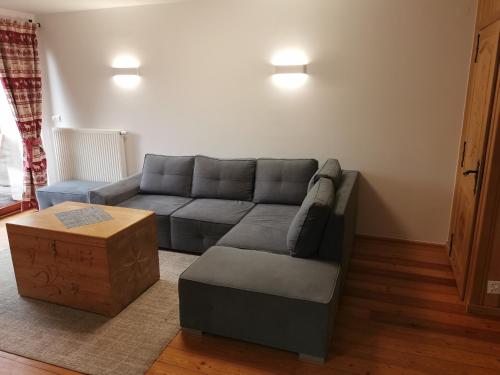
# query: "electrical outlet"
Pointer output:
{"type": "Point", "coordinates": [493, 287]}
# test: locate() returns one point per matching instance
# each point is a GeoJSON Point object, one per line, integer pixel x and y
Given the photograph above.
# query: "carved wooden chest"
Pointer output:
{"type": "Point", "coordinates": [98, 267]}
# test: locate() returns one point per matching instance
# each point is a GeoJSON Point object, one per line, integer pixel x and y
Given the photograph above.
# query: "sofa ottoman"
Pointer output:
{"type": "Point", "coordinates": [71, 190]}
{"type": "Point", "coordinates": [261, 297]}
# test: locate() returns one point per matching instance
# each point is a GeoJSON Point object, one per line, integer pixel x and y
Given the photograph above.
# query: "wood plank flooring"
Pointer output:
{"type": "Point", "coordinates": [400, 314]}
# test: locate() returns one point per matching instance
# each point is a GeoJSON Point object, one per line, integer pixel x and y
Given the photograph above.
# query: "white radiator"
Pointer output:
{"type": "Point", "coordinates": [90, 154]}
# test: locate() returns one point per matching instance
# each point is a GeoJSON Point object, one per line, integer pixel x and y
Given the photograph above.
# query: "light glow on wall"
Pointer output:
{"type": "Point", "coordinates": [293, 63]}
{"type": "Point", "coordinates": [126, 71]}
{"type": "Point", "coordinates": [290, 80]}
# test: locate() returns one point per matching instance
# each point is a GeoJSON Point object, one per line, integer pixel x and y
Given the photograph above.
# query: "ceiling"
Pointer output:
{"type": "Point", "coordinates": [55, 6]}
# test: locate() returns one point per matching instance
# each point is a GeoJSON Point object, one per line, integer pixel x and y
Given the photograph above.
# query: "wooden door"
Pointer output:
{"type": "Point", "coordinates": [483, 294]}
{"type": "Point", "coordinates": [473, 142]}
{"type": "Point", "coordinates": [488, 11]}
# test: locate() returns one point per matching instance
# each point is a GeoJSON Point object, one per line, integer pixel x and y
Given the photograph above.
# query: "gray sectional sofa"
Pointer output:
{"type": "Point", "coordinates": [275, 237]}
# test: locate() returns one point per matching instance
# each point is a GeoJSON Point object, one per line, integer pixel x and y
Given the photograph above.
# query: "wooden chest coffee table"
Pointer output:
{"type": "Point", "coordinates": [98, 267]}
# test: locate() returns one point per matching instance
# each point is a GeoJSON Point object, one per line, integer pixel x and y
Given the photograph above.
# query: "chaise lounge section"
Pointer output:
{"type": "Point", "coordinates": [265, 298]}
{"type": "Point", "coordinates": [275, 237]}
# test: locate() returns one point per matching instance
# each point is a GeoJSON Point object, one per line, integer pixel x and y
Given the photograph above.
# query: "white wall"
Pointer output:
{"type": "Point", "coordinates": [385, 94]}
{"type": "Point", "coordinates": [16, 14]}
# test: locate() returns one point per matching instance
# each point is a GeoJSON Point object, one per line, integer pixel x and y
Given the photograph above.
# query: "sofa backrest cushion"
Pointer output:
{"type": "Point", "coordinates": [283, 181]}
{"type": "Point", "coordinates": [306, 230]}
{"type": "Point", "coordinates": [223, 178]}
{"type": "Point", "coordinates": [338, 236]}
{"type": "Point", "coordinates": [168, 175]}
{"type": "Point", "coordinates": [329, 169]}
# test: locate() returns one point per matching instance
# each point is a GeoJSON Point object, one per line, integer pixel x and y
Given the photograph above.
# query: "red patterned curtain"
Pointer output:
{"type": "Point", "coordinates": [21, 78]}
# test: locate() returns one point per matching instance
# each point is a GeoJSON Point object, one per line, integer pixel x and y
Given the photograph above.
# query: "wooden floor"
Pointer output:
{"type": "Point", "coordinates": [400, 314]}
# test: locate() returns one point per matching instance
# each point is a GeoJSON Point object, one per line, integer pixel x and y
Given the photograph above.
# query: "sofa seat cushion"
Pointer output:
{"type": "Point", "coordinates": [163, 206]}
{"type": "Point", "coordinates": [270, 299]}
{"type": "Point", "coordinates": [223, 178]}
{"type": "Point", "coordinates": [283, 181]}
{"type": "Point", "coordinates": [170, 175]}
{"type": "Point", "coordinates": [71, 190]}
{"type": "Point", "coordinates": [201, 223]}
{"type": "Point", "coordinates": [264, 228]}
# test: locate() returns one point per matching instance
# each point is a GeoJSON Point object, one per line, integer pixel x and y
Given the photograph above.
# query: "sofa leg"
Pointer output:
{"type": "Point", "coordinates": [311, 358]}
{"type": "Point", "coordinates": [191, 331]}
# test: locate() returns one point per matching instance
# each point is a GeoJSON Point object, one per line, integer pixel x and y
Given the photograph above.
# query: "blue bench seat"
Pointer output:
{"type": "Point", "coordinates": [71, 190]}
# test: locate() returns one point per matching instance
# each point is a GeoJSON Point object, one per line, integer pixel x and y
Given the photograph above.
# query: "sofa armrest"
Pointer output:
{"type": "Point", "coordinates": [338, 237]}
{"type": "Point", "coordinates": [116, 192]}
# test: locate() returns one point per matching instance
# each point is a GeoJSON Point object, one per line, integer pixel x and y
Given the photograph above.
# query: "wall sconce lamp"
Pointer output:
{"type": "Point", "coordinates": [290, 68]}
{"type": "Point", "coordinates": [126, 78]}
{"type": "Point", "coordinates": [126, 72]}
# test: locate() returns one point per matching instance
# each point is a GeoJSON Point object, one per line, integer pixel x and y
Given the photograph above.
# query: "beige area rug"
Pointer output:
{"type": "Point", "coordinates": [126, 344]}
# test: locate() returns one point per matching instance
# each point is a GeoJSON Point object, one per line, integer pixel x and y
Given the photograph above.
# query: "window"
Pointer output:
{"type": "Point", "coordinates": [11, 159]}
